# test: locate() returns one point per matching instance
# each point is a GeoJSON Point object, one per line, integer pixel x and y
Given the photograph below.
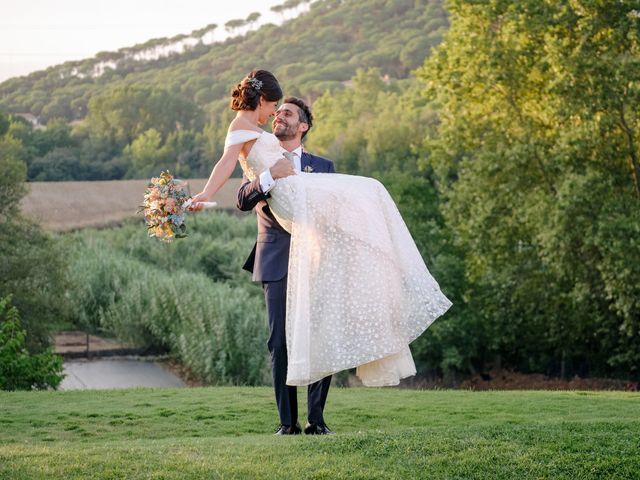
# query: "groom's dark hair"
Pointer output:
{"type": "Point", "coordinates": [304, 113]}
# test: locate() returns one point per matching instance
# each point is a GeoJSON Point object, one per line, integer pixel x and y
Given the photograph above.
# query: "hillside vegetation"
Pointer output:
{"type": "Point", "coordinates": [317, 50]}
{"type": "Point", "coordinates": [143, 116]}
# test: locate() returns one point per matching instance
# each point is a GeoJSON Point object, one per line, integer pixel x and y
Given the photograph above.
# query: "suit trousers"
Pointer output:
{"type": "Point", "coordinates": [275, 294]}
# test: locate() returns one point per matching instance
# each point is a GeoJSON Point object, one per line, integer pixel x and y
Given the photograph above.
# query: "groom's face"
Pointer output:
{"type": "Point", "coordinates": [287, 125]}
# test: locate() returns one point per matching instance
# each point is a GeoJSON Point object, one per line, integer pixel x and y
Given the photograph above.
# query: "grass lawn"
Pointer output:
{"type": "Point", "coordinates": [225, 433]}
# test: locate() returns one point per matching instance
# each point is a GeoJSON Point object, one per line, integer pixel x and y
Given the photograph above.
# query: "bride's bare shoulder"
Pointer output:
{"type": "Point", "coordinates": [241, 124]}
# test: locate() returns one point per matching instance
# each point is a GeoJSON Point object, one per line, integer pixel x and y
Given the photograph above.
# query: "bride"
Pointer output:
{"type": "Point", "coordinates": [358, 290]}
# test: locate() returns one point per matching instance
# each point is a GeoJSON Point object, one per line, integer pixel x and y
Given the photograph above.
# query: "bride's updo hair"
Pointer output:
{"type": "Point", "coordinates": [259, 83]}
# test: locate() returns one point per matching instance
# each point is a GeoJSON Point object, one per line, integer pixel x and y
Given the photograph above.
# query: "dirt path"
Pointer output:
{"type": "Point", "coordinates": [107, 365]}
{"type": "Point", "coordinates": [117, 373]}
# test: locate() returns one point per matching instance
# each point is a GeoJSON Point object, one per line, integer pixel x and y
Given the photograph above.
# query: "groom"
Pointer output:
{"type": "Point", "coordinates": [270, 258]}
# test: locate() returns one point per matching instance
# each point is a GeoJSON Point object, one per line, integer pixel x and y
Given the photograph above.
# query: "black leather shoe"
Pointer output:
{"type": "Point", "coordinates": [288, 430]}
{"type": "Point", "coordinates": [314, 429]}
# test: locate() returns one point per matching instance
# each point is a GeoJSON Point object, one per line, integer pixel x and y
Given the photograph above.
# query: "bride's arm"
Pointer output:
{"type": "Point", "coordinates": [220, 174]}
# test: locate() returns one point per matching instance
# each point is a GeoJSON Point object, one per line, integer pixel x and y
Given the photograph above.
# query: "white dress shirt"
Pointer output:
{"type": "Point", "coordinates": [266, 180]}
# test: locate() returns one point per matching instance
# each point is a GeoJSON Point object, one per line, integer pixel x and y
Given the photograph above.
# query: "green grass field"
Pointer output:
{"type": "Point", "coordinates": [225, 433]}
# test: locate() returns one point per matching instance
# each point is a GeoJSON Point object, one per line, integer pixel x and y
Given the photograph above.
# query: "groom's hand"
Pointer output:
{"type": "Point", "coordinates": [282, 168]}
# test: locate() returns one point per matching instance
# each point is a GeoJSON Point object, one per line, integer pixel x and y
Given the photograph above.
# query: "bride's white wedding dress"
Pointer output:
{"type": "Point", "coordinates": [358, 289]}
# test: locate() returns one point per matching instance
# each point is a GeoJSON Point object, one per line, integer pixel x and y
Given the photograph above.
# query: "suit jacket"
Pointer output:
{"type": "Point", "coordinates": [269, 259]}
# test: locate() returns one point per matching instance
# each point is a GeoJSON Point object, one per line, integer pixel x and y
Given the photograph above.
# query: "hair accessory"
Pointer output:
{"type": "Point", "coordinates": [255, 83]}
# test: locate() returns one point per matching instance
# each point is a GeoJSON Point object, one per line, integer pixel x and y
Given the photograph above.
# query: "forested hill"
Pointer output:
{"type": "Point", "coordinates": [311, 53]}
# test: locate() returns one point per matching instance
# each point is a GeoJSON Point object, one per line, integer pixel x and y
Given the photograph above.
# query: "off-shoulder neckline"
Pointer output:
{"type": "Point", "coordinates": [245, 130]}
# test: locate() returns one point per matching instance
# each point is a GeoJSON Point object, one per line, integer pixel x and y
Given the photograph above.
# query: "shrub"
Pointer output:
{"type": "Point", "coordinates": [32, 266]}
{"type": "Point", "coordinates": [19, 370]}
{"type": "Point", "coordinates": [190, 298]}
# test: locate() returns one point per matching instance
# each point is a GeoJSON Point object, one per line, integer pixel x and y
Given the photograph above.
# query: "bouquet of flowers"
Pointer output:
{"type": "Point", "coordinates": [165, 206]}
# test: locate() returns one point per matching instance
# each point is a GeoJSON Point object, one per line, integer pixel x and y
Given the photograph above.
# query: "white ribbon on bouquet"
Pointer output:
{"type": "Point", "coordinates": [186, 205]}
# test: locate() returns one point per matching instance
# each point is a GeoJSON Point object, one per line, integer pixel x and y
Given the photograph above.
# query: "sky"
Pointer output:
{"type": "Point", "coordinates": [35, 34]}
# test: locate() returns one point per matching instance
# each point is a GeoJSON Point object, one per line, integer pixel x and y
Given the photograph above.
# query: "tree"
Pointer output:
{"type": "Point", "coordinates": [292, 5]}
{"type": "Point", "coordinates": [14, 171]}
{"type": "Point", "coordinates": [57, 165]}
{"type": "Point", "coordinates": [57, 134]}
{"type": "Point", "coordinates": [232, 25]}
{"type": "Point", "coordinates": [536, 154]}
{"type": "Point", "coordinates": [59, 106]}
{"type": "Point", "coordinates": [32, 265]}
{"type": "Point", "coordinates": [125, 113]}
{"type": "Point", "coordinates": [203, 32]}
{"type": "Point", "coordinates": [278, 9]}
{"type": "Point", "coordinates": [19, 369]}
{"type": "Point", "coordinates": [4, 124]}
{"type": "Point", "coordinates": [252, 18]}
{"type": "Point", "coordinates": [145, 150]}
{"type": "Point", "coordinates": [370, 128]}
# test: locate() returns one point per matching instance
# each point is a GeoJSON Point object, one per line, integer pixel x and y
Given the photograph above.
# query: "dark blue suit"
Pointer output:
{"type": "Point", "coordinates": [269, 262]}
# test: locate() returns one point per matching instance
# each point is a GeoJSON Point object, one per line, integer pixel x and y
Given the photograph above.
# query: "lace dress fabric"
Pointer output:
{"type": "Point", "coordinates": [358, 290]}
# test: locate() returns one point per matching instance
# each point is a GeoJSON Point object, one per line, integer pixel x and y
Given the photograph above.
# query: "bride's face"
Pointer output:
{"type": "Point", "coordinates": [266, 110]}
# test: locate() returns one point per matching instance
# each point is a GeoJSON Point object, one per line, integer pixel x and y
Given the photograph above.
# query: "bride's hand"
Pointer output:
{"type": "Point", "coordinates": [196, 200]}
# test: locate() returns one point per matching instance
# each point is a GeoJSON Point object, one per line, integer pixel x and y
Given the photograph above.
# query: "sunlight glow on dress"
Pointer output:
{"type": "Point", "coordinates": [358, 289]}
